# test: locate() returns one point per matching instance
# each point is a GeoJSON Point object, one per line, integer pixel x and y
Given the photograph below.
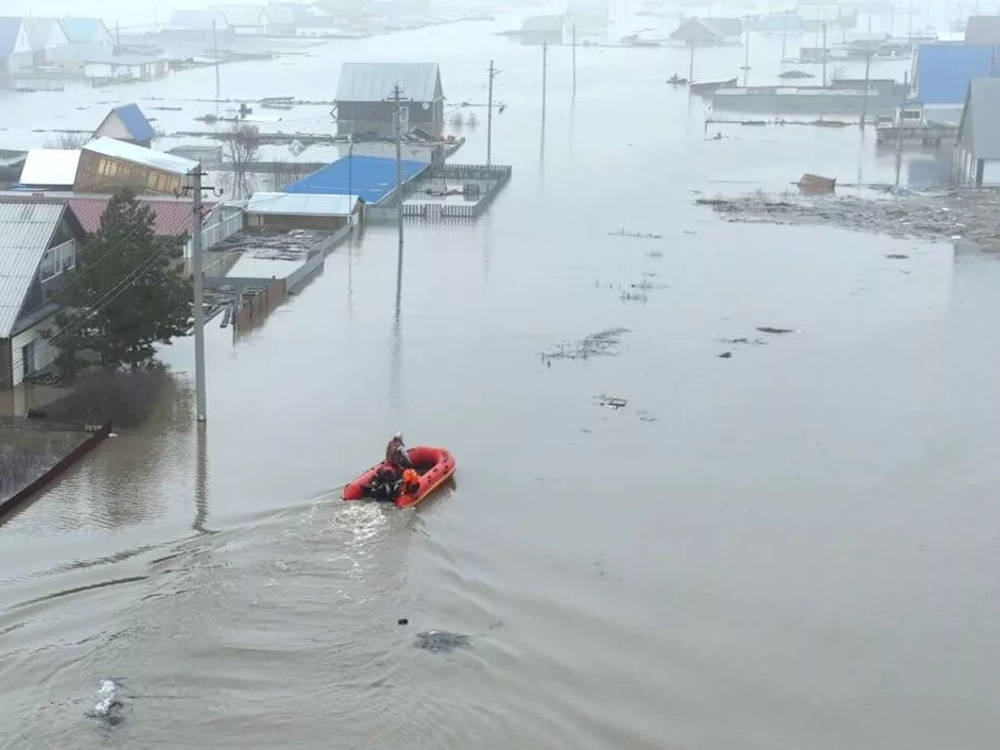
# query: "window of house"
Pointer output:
{"type": "Point", "coordinates": [50, 265]}
{"type": "Point", "coordinates": [67, 256]}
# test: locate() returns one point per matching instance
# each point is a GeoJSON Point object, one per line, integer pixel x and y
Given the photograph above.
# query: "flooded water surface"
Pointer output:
{"type": "Point", "coordinates": [792, 546]}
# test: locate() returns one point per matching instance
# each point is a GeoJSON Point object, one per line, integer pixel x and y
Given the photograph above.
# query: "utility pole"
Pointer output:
{"type": "Point", "coordinates": [746, 54]}
{"type": "Point", "coordinates": [784, 37]}
{"type": "Point", "coordinates": [691, 63]}
{"type": "Point", "coordinates": [574, 62]}
{"type": "Point", "coordinates": [215, 44]}
{"type": "Point", "coordinates": [899, 128]}
{"type": "Point", "coordinates": [824, 54]}
{"type": "Point", "coordinates": [199, 296]}
{"type": "Point", "coordinates": [545, 71]}
{"type": "Point", "coordinates": [864, 103]}
{"type": "Point", "coordinates": [398, 119]}
{"type": "Point", "coordinates": [350, 179]}
{"type": "Point", "coordinates": [489, 118]}
{"type": "Point", "coordinates": [118, 38]}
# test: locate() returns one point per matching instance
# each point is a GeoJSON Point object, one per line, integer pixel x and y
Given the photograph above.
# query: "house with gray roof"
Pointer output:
{"type": "Point", "coordinates": [39, 241]}
{"type": "Point", "coordinates": [977, 149]}
{"type": "Point", "coordinates": [365, 98]}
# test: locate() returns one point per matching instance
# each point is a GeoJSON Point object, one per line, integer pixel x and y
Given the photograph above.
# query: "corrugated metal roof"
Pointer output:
{"type": "Point", "coordinates": [370, 178]}
{"type": "Point", "coordinates": [172, 218]}
{"type": "Point", "coordinates": [10, 30]}
{"type": "Point", "coordinates": [135, 122]}
{"type": "Point", "coordinates": [983, 30]}
{"type": "Point", "coordinates": [980, 126]}
{"type": "Point", "coordinates": [944, 69]}
{"type": "Point", "coordinates": [301, 204]}
{"type": "Point", "coordinates": [85, 30]}
{"type": "Point", "coordinates": [139, 155]}
{"type": "Point", "coordinates": [374, 82]}
{"type": "Point", "coordinates": [25, 232]}
{"type": "Point", "coordinates": [52, 167]}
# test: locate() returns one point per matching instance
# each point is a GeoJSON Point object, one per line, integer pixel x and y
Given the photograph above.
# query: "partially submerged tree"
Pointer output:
{"type": "Point", "coordinates": [127, 293]}
{"type": "Point", "coordinates": [242, 147]}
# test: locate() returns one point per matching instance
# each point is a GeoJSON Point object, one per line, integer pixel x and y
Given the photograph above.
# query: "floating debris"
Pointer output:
{"type": "Point", "coordinates": [612, 402]}
{"type": "Point", "coordinates": [744, 340]}
{"type": "Point", "coordinates": [601, 344]}
{"type": "Point", "coordinates": [769, 329]}
{"type": "Point", "coordinates": [109, 705]}
{"type": "Point", "coordinates": [654, 254]}
{"type": "Point", "coordinates": [725, 355]}
{"type": "Point", "coordinates": [440, 641]}
{"type": "Point", "coordinates": [645, 416]}
{"type": "Point", "coordinates": [623, 232]}
{"type": "Point", "coordinates": [897, 256]}
{"type": "Point", "coordinates": [634, 297]}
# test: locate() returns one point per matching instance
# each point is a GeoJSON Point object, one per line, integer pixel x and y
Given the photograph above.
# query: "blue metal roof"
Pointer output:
{"type": "Point", "coordinates": [10, 28]}
{"type": "Point", "coordinates": [85, 30]}
{"type": "Point", "coordinates": [943, 70]}
{"type": "Point", "coordinates": [371, 178]}
{"type": "Point", "coordinates": [135, 122]}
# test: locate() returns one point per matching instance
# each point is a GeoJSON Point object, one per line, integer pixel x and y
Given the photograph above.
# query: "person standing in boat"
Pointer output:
{"type": "Point", "coordinates": [395, 454]}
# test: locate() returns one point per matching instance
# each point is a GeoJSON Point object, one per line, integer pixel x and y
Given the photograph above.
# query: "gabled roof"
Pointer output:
{"type": "Point", "coordinates": [283, 14]}
{"type": "Point", "coordinates": [171, 218]}
{"type": "Point", "coordinates": [251, 16]}
{"type": "Point", "coordinates": [12, 37]}
{"type": "Point", "coordinates": [50, 167]}
{"type": "Point", "coordinates": [134, 120]}
{"type": "Point", "coordinates": [983, 30]}
{"type": "Point", "coordinates": [85, 30]}
{"type": "Point", "coordinates": [44, 33]}
{"type": "Point", "coordinates": [724, 26]}
{"type": "Point", "coordinates": [980, 125]}
{"type": "Point", "coordinates": [695, 31]}
{"type": "Point", "coordinates": [139, 155]}
{"type": "Point", "coordinates": [373, 82]}
{"type": "Point", "coordinates": [26, 230]}
{"type": "Point", "coordinates": [943, 70]}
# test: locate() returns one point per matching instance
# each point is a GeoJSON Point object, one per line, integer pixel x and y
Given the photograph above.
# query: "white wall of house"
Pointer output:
{"type": "Point", "coordinates": [44, 353]}
{"type": "Point", "coordinates": [991, 172]}
{"type": "Point", "coordinates": [113, 128]}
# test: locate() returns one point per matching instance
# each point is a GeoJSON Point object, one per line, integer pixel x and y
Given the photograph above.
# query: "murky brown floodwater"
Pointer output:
{"type": "Point", "coordinates": [793, 547]}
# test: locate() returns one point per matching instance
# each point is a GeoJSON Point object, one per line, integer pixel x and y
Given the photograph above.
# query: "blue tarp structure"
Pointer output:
{"type": "Point", "coordinates": [943, 70]}
{"type": "Point", "coordinates": [135, 122]}
{"type": "Point", "coordinates": [371, 178]}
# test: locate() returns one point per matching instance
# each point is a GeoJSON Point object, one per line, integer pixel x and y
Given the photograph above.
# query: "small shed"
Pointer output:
{"type": "Point", "coordinates": [283, 211]}
{"type": "Point", "coordinates": [364, 97]}
{"type": "Point", "coordinates": [127, 123]}
{"type": "Point", "coordinates": [977, 150]}
{"type": "Point", "coordinates": [108, 165]}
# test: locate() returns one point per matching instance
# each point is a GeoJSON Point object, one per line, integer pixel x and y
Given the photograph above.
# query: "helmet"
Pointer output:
{"type": "Point", "coordinates": [398, 436]}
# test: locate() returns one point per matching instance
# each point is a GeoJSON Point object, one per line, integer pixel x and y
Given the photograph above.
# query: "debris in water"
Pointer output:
{"type": "Point", "coordinates": [612, 402]}
{"type": "Point", "coordinates": [897, 256]}
{"type": "Point", "coordinates": [402, 621]}
{"type": "Point", "coordinates": [769, 329]}
{"type": "Point", "coordinates": [623, 232]}
{"type": "Point", "coordinates": [725, 355]}
{"type": "Point", "coordinates": [654, 254]}
{"type": "Point", "coordinates": [634, 297]}
{"type": "Point", "coordinates": [645, 416]}
{"type": "Point", "coordinates": [109, 705]}
{"type": "Point", "coordinates": [744, 340]}
{"type": "Point", "coordinates": [440, 641]}
{"type": "Point", "coordinates": [601, 344]}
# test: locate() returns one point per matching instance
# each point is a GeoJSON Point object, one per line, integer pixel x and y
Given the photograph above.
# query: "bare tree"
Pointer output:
{"type": "Point", "coordinates": [242, 149]}
{"type": "Point", "coordinates": [69, 141]}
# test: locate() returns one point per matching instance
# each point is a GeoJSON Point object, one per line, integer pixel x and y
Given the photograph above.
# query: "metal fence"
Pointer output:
{"type": "Point", "coordinates": [496, 175]}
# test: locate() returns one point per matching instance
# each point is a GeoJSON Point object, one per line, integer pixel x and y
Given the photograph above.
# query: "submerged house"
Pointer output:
{"type": "Point", "coordinates": [244, 20]}
{"type": "Point", "coordinates": [16, 54]}
{"type": "Point", "coordinates": [697, 32]}
{"type": "Point", "coordinates": [942, 72]}
{"type": "Point", "coordinates": [127, 123]}
{"type": "Point", "coordinates": [207, 26]}
{"type": "Point", "coordinates": [364, 98]}
{"type": "Point", "coordinates": [977, 151]}
{"type": "Point", "coordinates": [38, 245]}
{"type": "Point", "coordinates": [285, 211]}
{"type": "Point", "coordinates": [108, 165]}
{"type": "Point", "coordinates": [48, 40]}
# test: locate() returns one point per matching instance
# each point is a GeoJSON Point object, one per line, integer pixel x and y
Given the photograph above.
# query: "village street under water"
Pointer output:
{"type": "Point", "coordinates": [793, 546]}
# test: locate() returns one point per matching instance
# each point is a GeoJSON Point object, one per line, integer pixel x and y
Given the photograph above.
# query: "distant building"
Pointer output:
{"type": "Point", "coordinates": [87, 32]}
{"type": "Point", "coordinates": [38, 245]}
{"type": "Point", "coordinates": [725, 27]}
{"type": "Point", "coordinates": [942, 72]}
{"type": "Point", "coordinates": [107, 68]}
{"type": "Point", "coordinates": [696, 32]}
{"type": "Point", "coordinates": [107, 165]}
{"type": "Point", "coordinates": [284, 211]}
{"type": "Point", "coordinates": [983, 30]}
{"type": "Point", "coordinates": [127, 123]}
{"type": "Point", "coordinates": [280, 19]}
{"type": "Point", "coordinates": [364, 98]}
{"type": "Point", "coordinates": [549, 29]}
{"type": "Point", "coordinates": [15, 49]}
{"type": "Point", "coordinates": [47, 39]}
{"type": "Point", "coordinates": [977, 150]}
{"type": "Point", "coordinates": [370, 178]}
{"type": "Point", "coordinates": [244, 20]}
{"type": "Point", "coordinates": [208, 26]}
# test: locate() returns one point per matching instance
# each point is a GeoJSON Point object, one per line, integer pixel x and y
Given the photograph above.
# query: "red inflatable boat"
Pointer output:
{"type": "Point", "coordinates": [433, 465]}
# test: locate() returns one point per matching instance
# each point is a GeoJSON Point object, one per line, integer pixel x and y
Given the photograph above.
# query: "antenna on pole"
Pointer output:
{"type": "Point", "coordinates": [489, 117]}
